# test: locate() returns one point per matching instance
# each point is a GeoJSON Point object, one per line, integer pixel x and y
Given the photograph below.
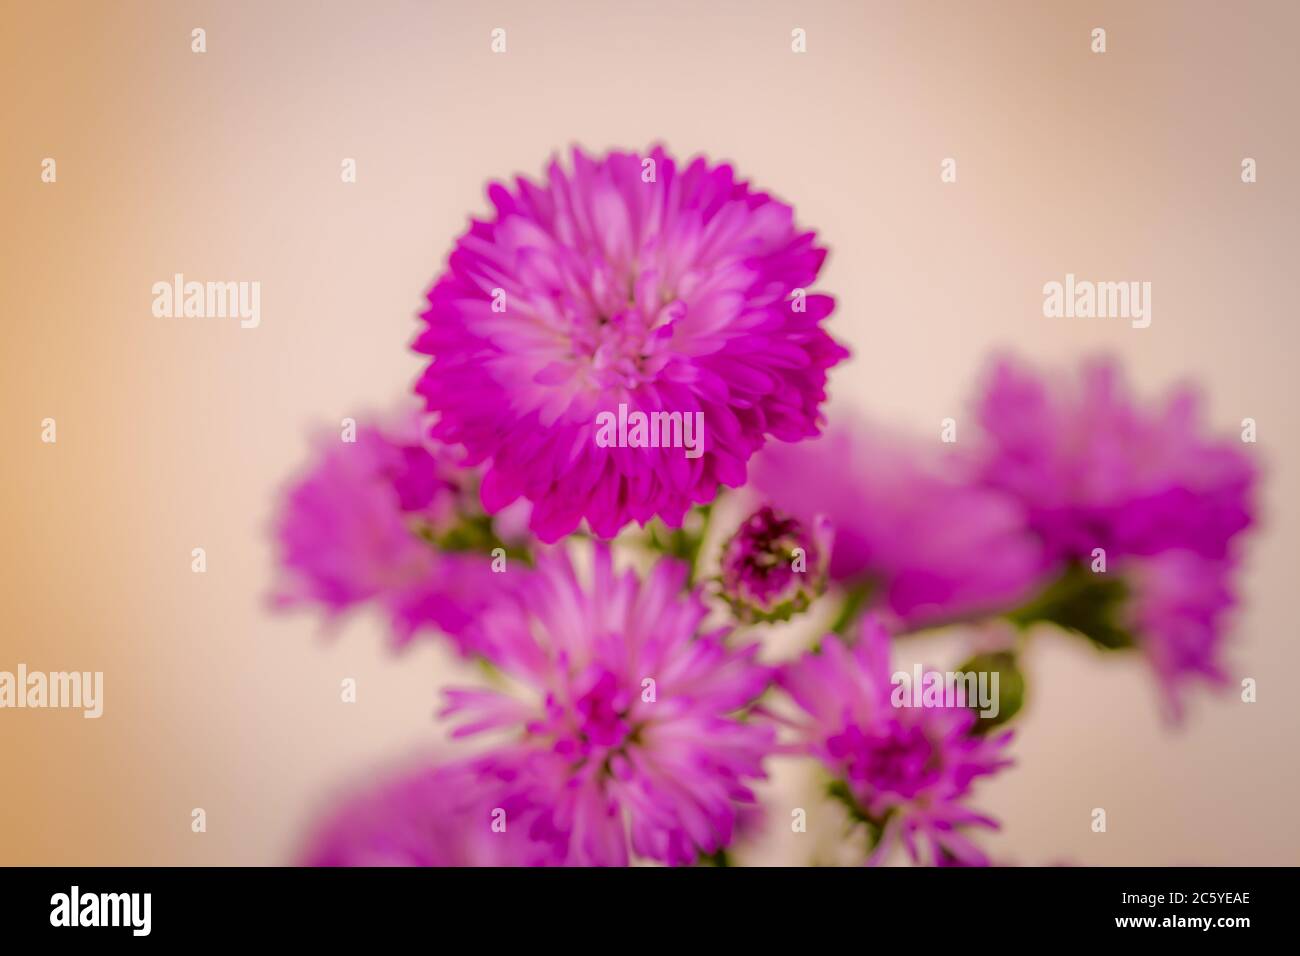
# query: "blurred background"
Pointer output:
{"type": "Point", "coordinates": [180, 433]}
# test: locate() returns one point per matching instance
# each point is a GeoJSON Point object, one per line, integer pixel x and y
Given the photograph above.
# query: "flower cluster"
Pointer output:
{"type": "Point", "coordinates": [631, 705]}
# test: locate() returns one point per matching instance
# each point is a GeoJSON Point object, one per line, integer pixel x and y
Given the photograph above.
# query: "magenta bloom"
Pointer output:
{"type": "Point", "coordinates": [774, 567]}
{"type": "Point", "coordinates": [625, 736]}
{"type": "Point", "coordinates": [624, 280]}
{"type": "Point", "coordinates": [906, 521]}
{"type": "Point", "coordinates": [1095, 470]}
{"type": "Point", "coordinates": [363, 525]}
{"type": "Point", "coordinates": [434, 816]}
{"type": "Point", "coordinates": [908, 769]}
{"type": "Point", "coordinates": [1176, 611]}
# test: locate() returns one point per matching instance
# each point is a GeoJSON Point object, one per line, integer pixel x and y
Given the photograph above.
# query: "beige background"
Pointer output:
{"type": "Point", "coordinates": [175, 434]}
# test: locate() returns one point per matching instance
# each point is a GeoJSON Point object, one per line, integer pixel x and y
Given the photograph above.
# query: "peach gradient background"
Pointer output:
{"type": "Point", "coordinates": [175, 434]}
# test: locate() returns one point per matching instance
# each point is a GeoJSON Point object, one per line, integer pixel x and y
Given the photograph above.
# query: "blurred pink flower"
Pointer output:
{"type": "Point", "coordinates": [1096, 470]}
{"type": "Point", "coordinates": [431, 816]}
{"type": "Point", "coordinates": [905, 520]}
{"type": "Point", "coordinates": [624, 280]}
{"type": "Point", "coordinates": [363, 524]}
{"type": "Point", "coordinates": [625, 736]}
{"type": "Point", "coordinates": [1176, 607]}
{"type": "Point", "coordinates": [908, 769]}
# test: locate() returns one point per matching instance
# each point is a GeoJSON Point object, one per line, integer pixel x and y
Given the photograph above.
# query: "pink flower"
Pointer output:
{"type": "Point", "coordinates": [1096, 470]}
{"type": "Point", "coordinates": [433, 816]}
{"type": "Point", "coordinates": [773, 567]}
{"type": "Point", "coordinates": [1176, 606]}
{"type": "Point", "coordinates": [625, 736]}
{"type": "Point", "coordinates": [624, 281]}
{"type": "Point", "coordinates": [370, 521]}
{"type": "Point", "coordinates": [1166, 504]}
{"type": "Point", "coordinates": [906, 520]}
{"type": "Point", "coordinates": [908, 770]}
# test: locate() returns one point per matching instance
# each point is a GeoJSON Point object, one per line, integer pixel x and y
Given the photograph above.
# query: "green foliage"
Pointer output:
{"type": "Point", "coordinates": [1011, 686]}
{"type": "Point", "coordinates": [683, 543]}
{"type": "Point", "coordinates": [855, 604]}
{"type": "Point", "coordinates": [1082, 601]}
{"type": "Point", "coordinates": [472, 534]}
{"type": "Point", "coordinates": [839, 790]}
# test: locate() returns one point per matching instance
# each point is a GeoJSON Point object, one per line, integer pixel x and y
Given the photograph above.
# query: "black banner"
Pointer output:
{"type": "Point", "coordinates": [325, 906]}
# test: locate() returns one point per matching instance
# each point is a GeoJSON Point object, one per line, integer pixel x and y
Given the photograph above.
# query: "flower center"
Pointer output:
{"type": "Point", "coordinates": [602, 713]}
{"type": "Point", "coordinates": [899, 759]}
{"type": "Point", "coordinates": [622, 328]}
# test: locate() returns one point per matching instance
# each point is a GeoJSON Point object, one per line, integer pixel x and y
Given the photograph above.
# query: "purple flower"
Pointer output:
{"type": "Point", "coordinates": [368, 521]}
{"type": "Point", "coordinates": [625, 280]}
{"type": "Point", "coordinates": [906, 520]}
{"type": "Point", "coordinates": [433, 816]}
{"type": "Point", "coordinates": [1095, 470]}
{"type": "Point", "coordinates": [907, 770]}
{"type": "Point", "coordinates": [624, 737]}
{"type": "Point", "coordinates": [1165, 503]}
{"type": "Point", "coordinates": [1176, 608]}
{"type": "Point", "coordinates": [774, 567]}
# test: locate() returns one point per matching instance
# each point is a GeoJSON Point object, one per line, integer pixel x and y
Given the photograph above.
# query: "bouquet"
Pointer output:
{"type": "Point", "coordinates": [619, 487]}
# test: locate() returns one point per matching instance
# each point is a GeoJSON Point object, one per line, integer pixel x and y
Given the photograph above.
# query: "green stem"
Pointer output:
{"type": "Point", "coordinates": [873, 827]}
{"type": "Point", "coordinates": [1083, 601]}
{"type": "Point", "coordinates": [681, 543]}
{"type": "Point", "coordinates": [697, 545]}
{"type": "Point", "coordinates": [855, 601]}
